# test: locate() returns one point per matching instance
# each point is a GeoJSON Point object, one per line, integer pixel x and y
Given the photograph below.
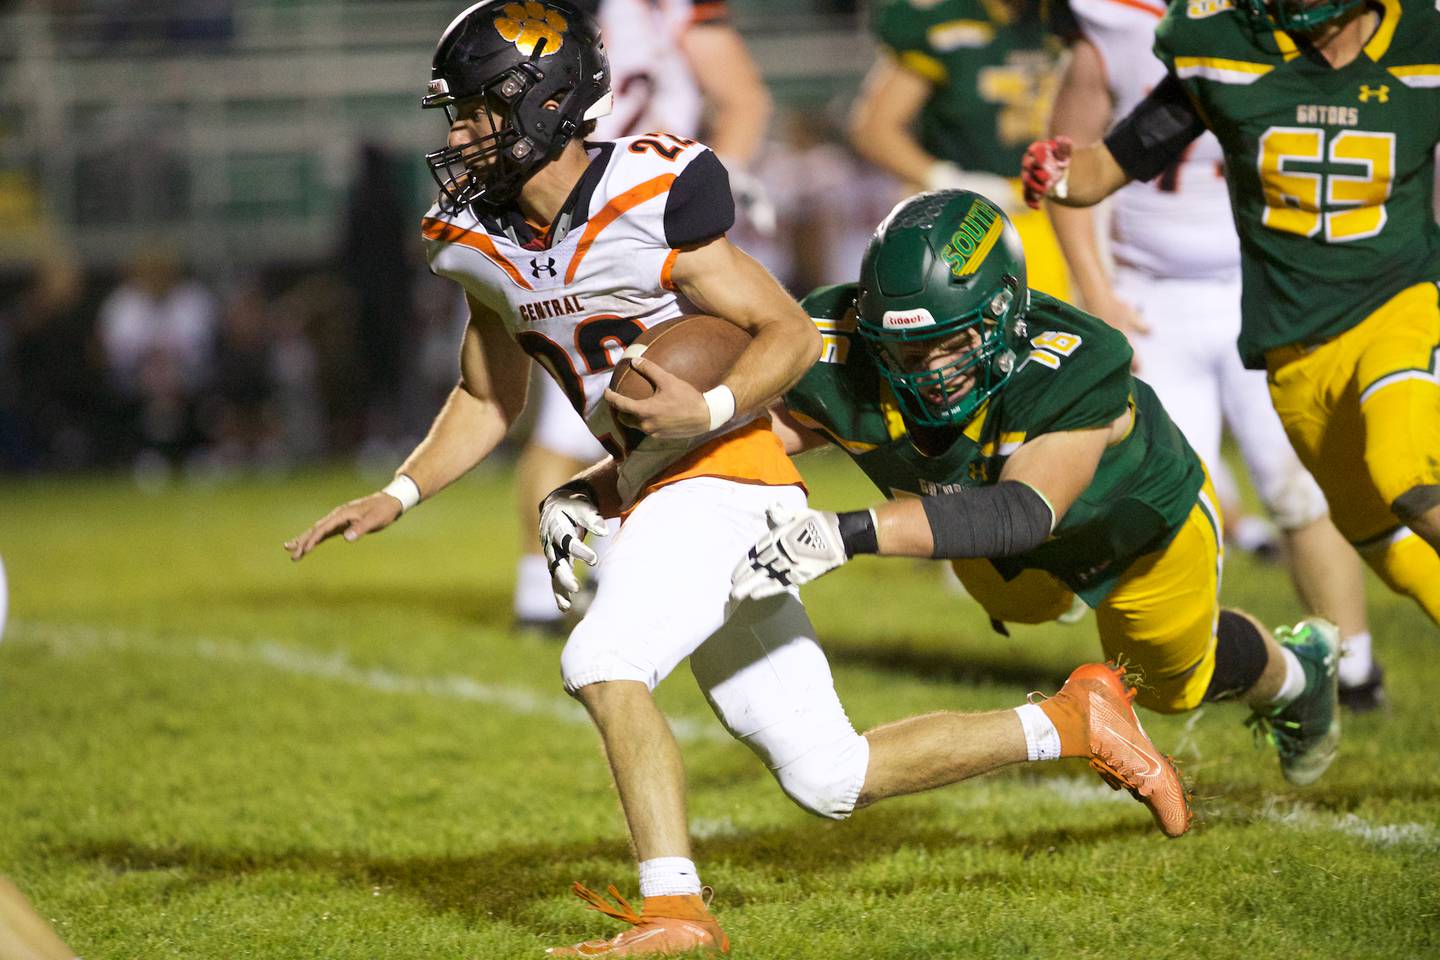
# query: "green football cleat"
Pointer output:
{"type": "Point", "coordinates": [1306, 731]}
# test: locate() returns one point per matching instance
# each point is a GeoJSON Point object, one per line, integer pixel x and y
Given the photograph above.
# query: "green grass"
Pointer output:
{"type": "Point", "coordinates": [209, 752]}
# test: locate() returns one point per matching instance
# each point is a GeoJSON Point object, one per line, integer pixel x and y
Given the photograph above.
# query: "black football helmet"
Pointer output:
{"type": "Point", "coordinates": [515, 56]}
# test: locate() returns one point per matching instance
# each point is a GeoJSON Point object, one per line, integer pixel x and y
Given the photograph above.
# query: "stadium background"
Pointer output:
{"type": "Point", "coordinates": [205, 752]}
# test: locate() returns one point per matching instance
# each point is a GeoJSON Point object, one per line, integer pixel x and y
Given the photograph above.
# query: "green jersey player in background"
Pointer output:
{"type": "Point", "coordinates": [1012, 438]}
{"type": "Point", "coordinates": [960, 87]}
{"type": "Point", "coordinates": [1328, 112]}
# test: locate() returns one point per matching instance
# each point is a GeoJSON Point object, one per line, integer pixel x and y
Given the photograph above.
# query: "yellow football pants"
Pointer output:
{"type": "Point", "coordinates": [1159, 620]}
{"type": "Point", "coordinates": [1363, 413]}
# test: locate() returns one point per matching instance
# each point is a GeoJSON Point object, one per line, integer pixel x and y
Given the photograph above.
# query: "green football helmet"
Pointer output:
{"type": "Point", "coordinates": [940, 264]}
{"type": "Point", "coordinates": [1299, 16]}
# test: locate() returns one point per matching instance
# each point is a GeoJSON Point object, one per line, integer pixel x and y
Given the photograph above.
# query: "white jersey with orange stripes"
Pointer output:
{"type": "Point", "coordinates": [576, 304]}
{"type": "Point", "coordinates": [1179, 224]}
{"type": "Point", "coordinates": [650, 76]}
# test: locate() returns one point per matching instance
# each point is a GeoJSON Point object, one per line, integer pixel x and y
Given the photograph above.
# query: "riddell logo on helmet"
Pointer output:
{"type": "Point", "coordinates": [526, 24]}
{"type": "Point", "coordinates": [905, 319]}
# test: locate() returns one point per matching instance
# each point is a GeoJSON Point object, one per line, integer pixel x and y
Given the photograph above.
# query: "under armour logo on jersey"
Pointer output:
{"type": "Point", "coordinates": [535, 266]}
{"type": "Point", "coordinates": [1380, 93]}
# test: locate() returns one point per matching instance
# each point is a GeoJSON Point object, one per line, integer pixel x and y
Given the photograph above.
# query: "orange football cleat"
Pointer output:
{"type": "Point", "coordinates": [665, 926]}
{"type": "Point", "coordinates": [1092, 711]}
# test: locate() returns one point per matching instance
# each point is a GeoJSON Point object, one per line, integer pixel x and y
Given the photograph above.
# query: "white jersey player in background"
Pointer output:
{"type": "Point", "coordinates": [676, 66]}
{"type": "Point", "coordinates": [1175, 292]}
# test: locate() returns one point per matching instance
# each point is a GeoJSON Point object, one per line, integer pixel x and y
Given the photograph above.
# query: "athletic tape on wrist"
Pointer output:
{"type": "Point", "coordinates": [404, 489]}
{"type": "Point", "coordinates": [721, 402]}
{"type": "Point", "coordinates": [857, 532]}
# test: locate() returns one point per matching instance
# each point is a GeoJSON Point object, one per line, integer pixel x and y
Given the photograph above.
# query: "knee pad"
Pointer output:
{"type": "Point", "coordinates": [1240, 657]}
{"type": "Point", "coordinates": [827, 780]}
{"type": "Point", "coordinates": [1416, 502]}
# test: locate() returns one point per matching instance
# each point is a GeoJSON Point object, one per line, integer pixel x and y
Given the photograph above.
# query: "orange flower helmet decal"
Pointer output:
{"type": "Point", "coordinates": [526, 24]}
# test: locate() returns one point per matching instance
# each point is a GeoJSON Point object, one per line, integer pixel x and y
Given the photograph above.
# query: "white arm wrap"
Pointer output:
{"type": "Point", "coordinates": [405, 490]}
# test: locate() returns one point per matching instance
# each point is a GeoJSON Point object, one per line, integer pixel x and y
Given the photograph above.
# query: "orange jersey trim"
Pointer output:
{"type": "Point", "coordinates": [1155, 10]}
{"type": "Point", "coordinates": [437, 229]}
{"type": "Point", "coordinates": [708, 11]}
{"type": "Point", "coordinates": [613, 211]}
{"type": "Point", "coordinates": [668, 266]}
{"type": "Point", "coordinates": [748, 454]}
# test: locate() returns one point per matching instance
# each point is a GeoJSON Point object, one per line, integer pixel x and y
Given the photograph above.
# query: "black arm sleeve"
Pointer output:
{"type": "Point", "coordinates": [700, 206]}
{"type": "Point", "coordinates": [998, 521]}
{"type": "Point", "coordinates": [1156, 132]}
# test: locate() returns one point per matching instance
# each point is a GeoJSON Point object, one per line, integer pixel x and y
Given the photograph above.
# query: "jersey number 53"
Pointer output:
{"type": "Point", "coordinates": [1348, 206]}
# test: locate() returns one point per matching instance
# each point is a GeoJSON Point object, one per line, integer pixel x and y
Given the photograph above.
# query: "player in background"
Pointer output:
{"type": "Point", "coordinates": [629, 227]}
{"type": "Point", "coordinates": [1328, 114]}
{"type": "Point", "coordinates": [676, 66]}
{"type": "Point", "coordinates": [1013, 439]}
{"type": "Point", "coordinates": [958, 91]}
{"type": "Point", "coordinates": [1175, 294]}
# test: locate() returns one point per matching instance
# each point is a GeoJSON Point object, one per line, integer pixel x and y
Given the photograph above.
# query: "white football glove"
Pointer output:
{"type": "Point", "coordinates": [566, 515]}
{"type": "Point", "coordinates": [753, 201]}
{"type": "Point", "coordinates": [796, 550]}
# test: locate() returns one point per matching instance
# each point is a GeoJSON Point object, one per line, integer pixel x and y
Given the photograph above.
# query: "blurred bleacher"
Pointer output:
{"type": "Point", "coordinates": [233, 127]}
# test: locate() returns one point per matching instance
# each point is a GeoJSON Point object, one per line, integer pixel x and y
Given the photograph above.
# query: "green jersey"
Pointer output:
{"type": "Point", "coordinates": [993, 71]}
{"type": "Point", "coordinates": [1075, 377]}
{"type": "Point", "coordinates": [1331, 172]}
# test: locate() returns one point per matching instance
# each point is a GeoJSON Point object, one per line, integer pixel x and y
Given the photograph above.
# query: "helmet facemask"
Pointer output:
{"type": "Point", "coordinates": [941, 302]}
{"type": "Point", "coordinates": [533, 72]}
{"type": "Point", "coordinates": [927, 395]}
{"type": "Point", "coordinates": [1299, 16]}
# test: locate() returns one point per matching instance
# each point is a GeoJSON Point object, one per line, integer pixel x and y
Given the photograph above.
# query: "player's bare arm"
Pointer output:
{"type": "Point", "coordinates": [736, 98]}
{"type": "Point", "coordinates": [880, 121]}
{"type": "Point", "coordinates": [1082, 112]}
{"type": "Point", "coordinates": [723, 280]}
{"type": "Point", "coordinates": [1150, 138]}
{"type": "Point", "coordinates": [796, 437]}
{"type": "Point", "coordinates": [494, 376]}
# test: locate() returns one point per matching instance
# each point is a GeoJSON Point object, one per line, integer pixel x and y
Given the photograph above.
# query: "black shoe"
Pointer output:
{"type": "Point", "coordinates": [1368, 695]}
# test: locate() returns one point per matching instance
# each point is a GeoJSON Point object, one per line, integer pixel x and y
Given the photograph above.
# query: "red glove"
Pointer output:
{"type": "Point", "coordinates": [1043, 169]}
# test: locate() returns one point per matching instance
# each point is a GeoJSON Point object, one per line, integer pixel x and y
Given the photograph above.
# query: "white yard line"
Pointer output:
{"type": "Point", "coordinates": [69, 641]}
{"type": "Point", "coordinates": [337, 666]}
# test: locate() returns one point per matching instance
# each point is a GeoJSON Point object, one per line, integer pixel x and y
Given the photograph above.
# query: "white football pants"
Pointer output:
{"type": "Point", "coordinates": [664, 595]}
{"type": "Point", "coordinates": [1190, 360]}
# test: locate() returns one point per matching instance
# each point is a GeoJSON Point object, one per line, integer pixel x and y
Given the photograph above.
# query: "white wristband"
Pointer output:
{"type": "Point", "coordinates": [722, 406]}
{"type": "Point", "coordinates": [405, 490]}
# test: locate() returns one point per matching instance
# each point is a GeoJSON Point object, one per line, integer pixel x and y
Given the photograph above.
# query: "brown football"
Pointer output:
{"type": "Point", "coordinates": [697, 348]}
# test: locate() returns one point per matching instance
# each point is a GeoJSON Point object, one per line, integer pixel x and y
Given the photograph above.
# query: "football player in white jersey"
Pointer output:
{"type": "Point", "coordinates": [567, 250]}
{"type": "Point", "coordinates": [670, 61]}
{"type": "Point", "coordinates": [1175, 292]}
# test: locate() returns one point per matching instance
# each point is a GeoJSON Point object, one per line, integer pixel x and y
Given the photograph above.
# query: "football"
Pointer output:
{"type": "Point", "coordinates": [697, 348]}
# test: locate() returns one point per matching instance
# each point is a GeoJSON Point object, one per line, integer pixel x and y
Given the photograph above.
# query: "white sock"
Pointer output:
{"type": "Point", "coordinates": [1042, 740]}
{"type": "Point", "coordinates": [668, 877]}
{"type": "Point", "coordinates": [534, 599]}
{"type": "Point", "coordinates": [1294, 684]}
{"type": "Point", "coordinates": [1355, 662]}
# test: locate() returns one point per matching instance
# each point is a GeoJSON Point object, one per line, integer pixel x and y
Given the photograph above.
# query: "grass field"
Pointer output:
{"type": "Point", "coordinates": [209, 752]}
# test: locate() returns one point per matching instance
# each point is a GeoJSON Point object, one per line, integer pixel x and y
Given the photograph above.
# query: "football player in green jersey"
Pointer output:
{"type": "Point", "coordinates": [1013, 439]}
{"type": "Point", "coordinates": [1329, 113]}
{"type": "Point", "coordinates": [959, 89]}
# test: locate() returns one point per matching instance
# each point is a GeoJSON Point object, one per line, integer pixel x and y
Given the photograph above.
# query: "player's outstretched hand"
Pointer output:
{"type": "Point", "coordinates": [1123, 316]}
{"type": "Point", "coordinates": [1043, 169]}
{"type": "Point", "coordinates": [353, 520]}
{"type": "Point", "coordinates": [797, 549]}
{"type": "Point", "coordinates": [675, 410]}
{"type": "Point", "coordinates": [566, 514]}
